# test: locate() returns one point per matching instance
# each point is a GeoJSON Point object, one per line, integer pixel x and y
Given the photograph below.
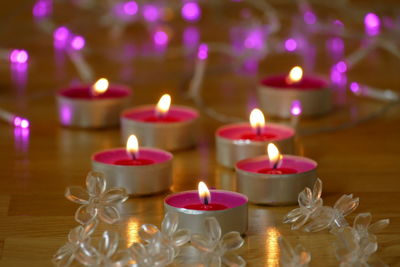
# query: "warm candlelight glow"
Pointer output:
{"type": "Point", "coordinates": [204, 193]}
{"type": "Point", "coordinates": [257, 120]}
{"type": "Point", "coordinates": [163, 105]}
{"type": "Point", "coordinates": [295, 75]}
{"type": "Point", "coordinates": [274, 156]}
{"type": "Point", "coordinates": [100, 87]}
{"type": "Point", "coordinates": [132, 146]}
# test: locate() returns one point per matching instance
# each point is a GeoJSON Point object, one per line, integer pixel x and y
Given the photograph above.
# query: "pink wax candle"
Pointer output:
{"type": "Point", "coordinates": [244, 140]}
{"type": "Point", "coordinates": [142, 171]}
{"type": "Point", "coordinates": [230, 208]}
{"type": "Point", "coordinates": [277, 92]}
{"type": "Point", "coordinates": [163, 126]}
{"type": "Point", "coordinates": [92, 106]}
{"type": "Point", "coordinates": [275, 179]}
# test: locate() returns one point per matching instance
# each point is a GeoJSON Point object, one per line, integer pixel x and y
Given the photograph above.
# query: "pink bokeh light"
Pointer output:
{"type": "Point", "coordinates": [191, 11]}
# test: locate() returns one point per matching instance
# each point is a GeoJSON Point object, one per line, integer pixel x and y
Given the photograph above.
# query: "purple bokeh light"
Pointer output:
{"type": "Point", "coordinates": [191, 11]}
{"type": "Point", "coordinates": [309, 17]}
{"type": "Point", "coordinates": [296, 108]}
{"type": "Point", "coordinates": [191, 36]}
{"type": "Point", "coordinates": [341, 66]}
{"type": "Point", "coordinates": [335, 45]}
{"type": "Point", "coordinates": [160, 38]}
{"type": "Point", "coordinates": [19, 56]}
{"type": "Point", "coordinates": [372, 24]}
{"type": "Point", "coordinates": [255, 40]}
{"type": "Point", "coordinates": [42, 8]}
{"type": "Point", "coordinates": [20, 122]}
{"type": "Point", "coordinates": [61, 33]}
{"type": "Point", "coordinates": [290, 45]}
{"type": "Point", "coordinates": [151, 13]}
{"type": "Point", "coordinates": [338, 77]}
{"type": "Point", "coordinates": [130, 8]}
{"type": "Point", "coordinates": [355, 88]}
{"type": "Point", "coordinates": [78, 42]}
{"type": "Point", "coordinates": [202, 53]}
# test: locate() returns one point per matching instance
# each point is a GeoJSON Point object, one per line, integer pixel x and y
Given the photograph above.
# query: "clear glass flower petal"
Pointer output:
{"type": "Point", "coordinates": [87, 255]}
{"type": "Point", "coordinates": [293, 215]}
{"type": "Point", "coordinates": [114, 196]}
{"type": "Point", "coordinates": [77, 195]}
{"type": "Point", "coordinates": [212, 228]}
{"type": "Point", "coordinates": [202, 243]}
{"type": "Point", "coordinates": [95, 183]}
{"type": "Point", "coordinates": [321, 220]}
{"type": "Point", "coordinates": [83, 215]}
{"type": "Point", "coordinates": [317, 189]}
{"type": "Point", "coordinates": [346, 204]}
{"type": "Point", "coordinates": [109, 214]}
{"type": "Point", "coordinates": [300, 222]}
{"type": "Point", "coordinates": [170, 223]}
{"type": "Point", "coordinates": [108, 243]}
{"type": "Point", "coordinates": [303, 256]}
{"type": "Point", "coordinates": [362, 221]}
{"type": "Point", "coordinates": [180, 237]}
{"type": "Point", "coordinates": [378, 226]}
{"type": "Point", "coordinates": [64, 256]}
{"type": "Point", "coordinates": [231, 241]}
{"type": "Point", "coordinates": [148, 231]}
{"type": "Point", "coordinates": [304, 198]}
{"type": "Point", "coordinates": [233, 260]}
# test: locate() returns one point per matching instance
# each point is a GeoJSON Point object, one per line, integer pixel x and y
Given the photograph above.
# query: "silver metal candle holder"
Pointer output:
{"type": "Point", "coordinates": [170, 136]}
{"type": "Point", "coordinates": [274, 189]}
{"type": "Point", "coordinates": [277, 102]}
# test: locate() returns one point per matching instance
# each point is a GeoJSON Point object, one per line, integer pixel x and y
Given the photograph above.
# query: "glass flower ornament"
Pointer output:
{"type": "Point", "coordinates": [216, 250]}
{"type": "Point", "coordinates": [96, 200]}
{"type": "Point", "coordinates": [310, 202]}
{"type": "Point", "coordinates": [355, 245]}
{"type": "Point", "coordinates": [153, 254]}
{"type": "Point", "coordinates": [332, 218]}
{"type": "Point", "coordinates": [78, 246]}
{"type": "Point", "coordinates": [169, 235]}
{"type": "Point", "coordinates": [293, 257]}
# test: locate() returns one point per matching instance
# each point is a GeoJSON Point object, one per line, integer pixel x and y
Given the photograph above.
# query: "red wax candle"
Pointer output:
{"type": "Point", "coordinates": [243, 131]}
{"type": "Point", "coordinates": [79, 107]}
{"type": "Point", "coordinates": [277, 171]}
{"type": "Point", "coordinates": [307, 82]}
{"type": "Point", "coordinates": [148, 114]}
{"type": "Point", "coordinates": [210, 206]}
{"type": "Point", "coordinates": [133, 162]}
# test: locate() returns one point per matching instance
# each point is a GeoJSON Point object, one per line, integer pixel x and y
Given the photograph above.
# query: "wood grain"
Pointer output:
{"type": "Point", "coordinates": [35, 217]}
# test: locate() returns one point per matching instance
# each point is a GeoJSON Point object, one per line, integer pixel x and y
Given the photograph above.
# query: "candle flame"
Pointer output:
{"type": "Point", "coordinates": [163, 105]}
{"type": "Point", "coordinates": [100, 87]}
{"type": "Point", "coordinates": [257, 120]}
{"type": "Point", "coordinates": [204, 193]}
{"type": "Point", "coordinates": [295, 75]}
{"type": "Point", "coordinates": [132, 146]}
{"type": "Point", "coordinates": [274, 156]}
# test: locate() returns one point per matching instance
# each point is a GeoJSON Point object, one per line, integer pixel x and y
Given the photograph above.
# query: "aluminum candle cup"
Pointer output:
{"type": "Point", "coordinates": [279, 187]}
{"type": "Point", "coordinates": [177, 130]}
{"type": "Point", "coordinates": [78, 108]}
{"type": "Point", "coordinates": [232, 218]}
{"type": "Point", "coordinates": [276, 96]}
{"type": "Point", "coordinates": [150, 173]}
{"type": "Point", "coordinates": [235, 142]}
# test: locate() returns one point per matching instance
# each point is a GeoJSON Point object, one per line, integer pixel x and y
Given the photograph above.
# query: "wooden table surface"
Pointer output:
{"type": "Point", "coordinates": [35, 169]}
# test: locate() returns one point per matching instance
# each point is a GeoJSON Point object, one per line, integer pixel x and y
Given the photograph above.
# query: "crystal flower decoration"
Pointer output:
{"type": "Point", "coordinates": [169, 235]}
{"type": "Point", "coordinates": [96, 200]}
{"type": "Point", "coordinates": [216, 250]}
{"type": "Point", "coordinates": [78, 238]}
{"type": "Point", "coordinates": [333, 218]}
{"type": "Point", "coordinates": [310, 201]}
{"type": "Point", "coordinates": [356, 244]}
{"type": "Point", "coordinates": [293, 257]}
{"type": "Point", "coordinates": [154, 254]}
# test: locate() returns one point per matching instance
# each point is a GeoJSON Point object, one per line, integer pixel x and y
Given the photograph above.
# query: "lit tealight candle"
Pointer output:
{"type": "Point", "coordinates": [141, 171]}
{"type": "Point", "coordinates": [92, 106]}
{"type": "Point", "coordinates": [163, 126]}
{"type": "Point", "coordinates": [275, 179]}
{"type": "Point", "coordinates": [244, 140]}
{"type": "Point", "coordinates": [276, 93]}
{"type": "Point", "coordinates": [229, 208]}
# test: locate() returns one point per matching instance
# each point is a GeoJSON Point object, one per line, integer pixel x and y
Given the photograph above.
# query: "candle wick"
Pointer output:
{"type": "Point", "coordinates": [206, 201]}
{"type": "Point", "coordinates": [133, 156]}
{"type": "Point", "coordinates": [275, 166]}
{"type": "Point", "coordinates": [258, 130]}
